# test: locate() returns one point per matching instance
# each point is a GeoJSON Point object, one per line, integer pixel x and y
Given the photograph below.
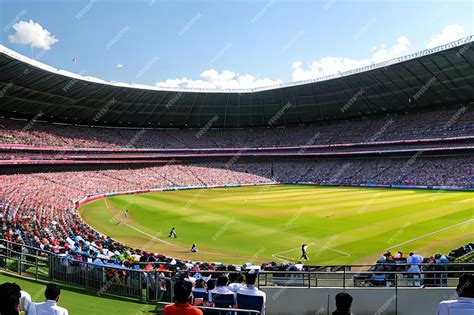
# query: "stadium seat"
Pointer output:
{"type": "Point", "coordinates": [378, 280]}
{"type": "Point", "coordinates": [224, 301]}
{"type": "Point", "coordinates": [199, 294]}
{"type": "Point", "coordinates": [249, 302]}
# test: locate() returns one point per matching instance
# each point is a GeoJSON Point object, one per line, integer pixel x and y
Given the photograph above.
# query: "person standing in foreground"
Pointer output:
{"type": "Point", "coordinates": [50, 306]}
{"type": "Point", "coordinates": [182, 298]}
{"type": "Point", "coordinates": [343, 304]}
{"type": "Point", "coordinates": [464, 305]}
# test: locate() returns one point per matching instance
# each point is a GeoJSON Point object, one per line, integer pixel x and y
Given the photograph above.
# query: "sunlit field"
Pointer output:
{"type": "Point", "coordinates": [269, 223]}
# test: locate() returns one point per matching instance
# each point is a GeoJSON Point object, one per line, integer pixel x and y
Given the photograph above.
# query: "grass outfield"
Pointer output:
{"type": "Point", "coordinates": [79, 301]}
{"type": "Point", "coordinates": [265, 223]}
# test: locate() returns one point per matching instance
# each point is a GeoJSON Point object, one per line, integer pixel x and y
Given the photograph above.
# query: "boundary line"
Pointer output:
{"type": "Point", "coordinates": [431, 233]}
{"type": "Point", "coordinates": [284, 258]}
{"type": "Point", "coordinates": [151, 236]}
{"type": "Point", "coordinates": [159, 239]}
{"type": "Point", "coordinates": [143, 232]}
{"type": "Point", "coordinates": [335, 250]}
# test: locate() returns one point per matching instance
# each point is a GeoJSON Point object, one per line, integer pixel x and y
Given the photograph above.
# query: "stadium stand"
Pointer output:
{"type": "Point", "coordinates": [38, 206]}
{"type": "Point", "coordinates": [50, 160]}
{"type": "Point", "coordinates": [455, 121]}
{"type": "Point", "coordinates": [425, 145]}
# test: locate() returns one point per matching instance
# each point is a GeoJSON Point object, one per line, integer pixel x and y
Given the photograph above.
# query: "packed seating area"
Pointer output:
{"type": "Point", "coordinates": [454, 121]}
{"type": "Point", "coordinates": [37, 207]}
{"type": "Point", "coordinates": [22, 154]}
{"type": "Point", "coordinates": [37, 202]}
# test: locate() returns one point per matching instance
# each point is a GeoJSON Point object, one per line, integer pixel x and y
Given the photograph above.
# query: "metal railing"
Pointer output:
{"type": "Point", "coordinates": [152, 286]}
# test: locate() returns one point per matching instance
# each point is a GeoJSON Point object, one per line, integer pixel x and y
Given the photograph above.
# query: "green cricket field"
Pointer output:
{"type": "Point", "coordinates": [341, 225]}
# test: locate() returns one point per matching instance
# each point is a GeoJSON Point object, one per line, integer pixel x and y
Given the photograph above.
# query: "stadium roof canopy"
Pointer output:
{"type": "Point", "coordinates": [435, 77]}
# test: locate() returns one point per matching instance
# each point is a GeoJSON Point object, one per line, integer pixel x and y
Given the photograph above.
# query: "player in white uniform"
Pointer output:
{"type": "Point", "coordinates": [304, 255]}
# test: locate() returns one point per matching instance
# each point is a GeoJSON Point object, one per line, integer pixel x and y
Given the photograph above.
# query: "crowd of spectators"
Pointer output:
{"type": "Point", "coordinates": [414, 170]}
{"type": "Point", "coordinates": [37, 208]}
{"type": "Point", "coordinates": [449, 122]}
{"type": "Point", "coordinates": [188, 294]}
{"type": "Point", "coordinates": [14, 300]}
{"type": "Point", "coordinates": [56, 155]}
{"type": "Point", "coordinates": [225, 291]}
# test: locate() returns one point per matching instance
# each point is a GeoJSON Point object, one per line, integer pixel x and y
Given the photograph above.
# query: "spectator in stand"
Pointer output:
{"type": "Point", "coordinates": [398, 256]}
{"type": "Point", "coordinates": [464, 305]}
{"type": "Point", "coordinates": [250, 289]}
{"type": "Point", "coordinates": [343, 304]}
{"type": "Point", "coordinates": [396, 127]}
{"type": "Point", "coordinates": [10, 294]}
{"type": "Point", "coordinates": [199, 290]}
{"type": "Point", "coordinates": [442, 262]}
{"type": "Point", "coordinates": [183, 298]}
{"type": "Point", "coordinates": [413, 267]}
{"type": "Point", "coordinates": [430, 278]}
{"type": "Point", "coordinates": [50, 306]}
{"type": "Point", "coordinates": [236, 279]}
{"type": "Point", "coordinates": [221, 286]}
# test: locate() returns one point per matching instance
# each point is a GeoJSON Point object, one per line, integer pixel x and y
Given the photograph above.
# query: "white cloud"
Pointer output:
{"type": "Point", "coordinates": [212, 79]}
{"type": "Point", "coordinates": [119, 66]}
{"type": "Point", "coordinates": [332, 65]}
{"type": "Point", "coordinates": [31, 33]}
{"type": "Point", "coordinates": [448, 34]}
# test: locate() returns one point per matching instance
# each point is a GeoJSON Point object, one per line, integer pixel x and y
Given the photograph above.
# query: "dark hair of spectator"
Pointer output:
{"type": "Point", "coordinates": [222, 281]}
{"type": "Point", "coordinates": [250, 278]}
{"type": "Point", "coordinates": [236, 277]}
{"type": "Point", "coordinates": [343, 302]}
{"type": "Point", "coordinates": [10, 298]}
{"type": "Point", "coordinates": [182, 291]}
{"type": "Point", "coordinates": [466, 286]}
{"type": "Point", "coordinates": [52, 291]}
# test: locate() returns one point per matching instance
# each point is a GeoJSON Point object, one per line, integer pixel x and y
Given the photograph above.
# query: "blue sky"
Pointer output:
{"type": "Point", "coordinates": [225, 44]}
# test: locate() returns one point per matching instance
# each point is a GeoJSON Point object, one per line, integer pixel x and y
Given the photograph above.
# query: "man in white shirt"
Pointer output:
{"type": "Point", "coordinates": [251, 289]}
{"type": "Point", "coordinates": [25, 302]}
{"type": "Point", "coordinates": [235, 280]}
{"type": "Point", "coordinates": [50, 306]}
{"type": "Point", "coordinates": [221, 288]}
{"type": "Point", "coordinates": [464, 305]}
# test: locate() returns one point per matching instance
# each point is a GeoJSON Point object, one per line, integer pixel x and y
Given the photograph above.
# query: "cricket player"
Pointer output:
{"type": "Point", "coordinates": [304, 248]}
{"type": "Point", "coordinates": [173, 233]}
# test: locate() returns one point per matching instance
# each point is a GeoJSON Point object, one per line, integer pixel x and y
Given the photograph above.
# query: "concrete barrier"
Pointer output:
{"type": "Point", "coordinates": [373, 301]}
